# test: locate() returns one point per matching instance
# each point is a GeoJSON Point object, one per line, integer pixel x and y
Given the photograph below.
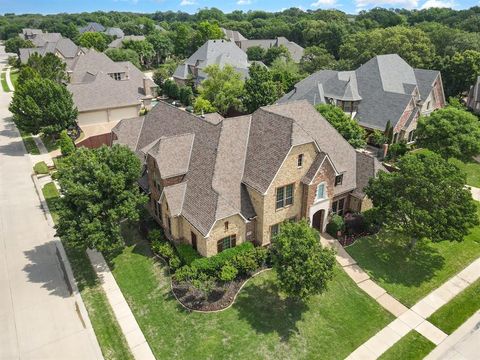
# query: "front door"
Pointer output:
{"type": "Point", "coordinates": [317, 220]}
{"type": "Point", "coordinates": [193, 236]}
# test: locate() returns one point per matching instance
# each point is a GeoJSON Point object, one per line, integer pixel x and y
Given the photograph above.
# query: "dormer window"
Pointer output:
{"type": "Point", "coordinates": [338, 179]}
{"type": "Point", "coordinates": [117, 76]}
{"type": "Point", "coordinates": [300, 160]}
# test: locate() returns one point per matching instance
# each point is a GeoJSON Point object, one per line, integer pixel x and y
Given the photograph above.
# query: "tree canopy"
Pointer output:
{"type": "Point", "coordinates": [13, 45]}
{"type": "Point", "coordinates": [425, 200]}
{"type": "Point", "coordinates": [303, 267]}
{"type": "Point", "coordinates": [42, 105]}
{"type": "Point", "coordinates": [450, 132]}
{"type": "Point", "coordinates": [346, 126]}
{"type": "Point", "coordinates": [100, 190]}
{"type": "Point", "coordinates": [260, 88]}
{"type": "Point", "coordinates": [48, 66]}
{"type": "Point", "coordinates": [123, 55]}
{"type": "Point", "coordinates": [93, 40]}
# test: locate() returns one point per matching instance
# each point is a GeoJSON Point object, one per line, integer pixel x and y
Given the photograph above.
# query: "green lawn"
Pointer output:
{"type": "Point", "coordinates": [14, 77]}
{"type": "Point", "coordinates": [453, 314]}
{"type": "Point", "coordinates": [409, 276]}
{"type": "Point", "coordinates": [107, 330]}
{"type": "Point", "coordinates": [260, 325]}
{"type": "Point", "coordinates": [49, 142]}
{"type": "Point", "coordinates": [412, 346]}
{"type": "Point", "coordinates": [472, 169]}
{"type": "Point", "coordinates": [3, 80]}
{"type": "Point", "coordinates": [29, 143]}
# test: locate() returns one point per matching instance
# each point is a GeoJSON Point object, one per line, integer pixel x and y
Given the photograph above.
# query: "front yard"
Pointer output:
{"type": "Point", "coordinates": [260, 325]}
{"type": "Point", "coordinates": [412, 346]}
{"type": "Point", "coordinates": [472, 169]}
{"type": "Point", "coordinates": [409, 276]}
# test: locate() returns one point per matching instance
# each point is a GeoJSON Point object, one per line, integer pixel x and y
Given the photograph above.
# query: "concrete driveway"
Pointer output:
{"type": "Point", "coordinates": [38, 317]}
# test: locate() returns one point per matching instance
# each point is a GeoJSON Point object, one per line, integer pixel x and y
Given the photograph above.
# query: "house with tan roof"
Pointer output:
{"type": "Point", "coordinates": [215, 183]}
{"type": "Point", "coordinates": [384, 89]}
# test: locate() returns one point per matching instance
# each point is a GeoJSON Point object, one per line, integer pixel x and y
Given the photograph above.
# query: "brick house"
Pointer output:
{"type": "Point", "coordinates": [384, 89]}
{"type": "Point", "coordinates": [473, 98]}
{"type": "Point", "coordinates": [215, 183]}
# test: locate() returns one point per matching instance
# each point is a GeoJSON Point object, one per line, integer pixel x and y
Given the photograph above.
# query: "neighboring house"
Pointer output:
{"type": "Point", "coordinates": [295, 50]}
{"type": "Point", "coordinates": [473, 99]}
{"type": "Point", "coordinates": [29, 34]}
{"type": "Point", "coordinates": [115, 32]}
{"type": "Point", "coordinates": [118, 43]}
{"type": "Point", "coordinates": [219, 52]}
{"type": "Point", "coordinates": [384, 89]}
{"type": "Point", "coordinates": [53, 43]}
{"type": "Point", "coordinates": [92, 27]}
{"type": "Point", "coordinates": [215, 183]}
{"type": "Point", "coordinates": [105, 91]}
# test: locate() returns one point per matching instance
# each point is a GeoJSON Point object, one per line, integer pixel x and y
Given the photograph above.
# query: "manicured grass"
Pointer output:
{"type": "Point", "coordinates": [260, 325]}
{"type": "Point", "coordinates": [14, 77]}
{"type": "Point", "coordinates": [453, 314]}
{"type": "Point", "coordinates": [3, 80]}
{"type": "Point", "coordinates": [472, 169]}
{"type": "Point", "coordinates": [409, 276]}
{"type": "Point", "coordinates": [107, 330]}
{"type": "Point", "coordinates": [29, 143]}
{"type": "Point", "coordinates": [412, 346]}
{"type": "Point", "coordinates": [40, 168]}
{"type": "Point", "coordinates": [49, 142]}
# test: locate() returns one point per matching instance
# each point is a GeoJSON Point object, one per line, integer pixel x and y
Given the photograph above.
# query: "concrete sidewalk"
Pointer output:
{"type": "Point", "coordinates": [39, 317]}
{"type": "Point", "coordinates": [407, 319]}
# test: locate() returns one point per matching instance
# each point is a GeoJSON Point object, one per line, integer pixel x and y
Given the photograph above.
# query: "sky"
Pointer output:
{"type": "Point", "coordinates": [191, 6]}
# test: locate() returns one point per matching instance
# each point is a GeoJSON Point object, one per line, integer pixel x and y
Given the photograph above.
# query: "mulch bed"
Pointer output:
{"type": "Point", "coordinates": [220, 298]}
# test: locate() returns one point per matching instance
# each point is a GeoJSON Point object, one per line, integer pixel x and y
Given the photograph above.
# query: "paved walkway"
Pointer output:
{"type": "Point", "coordinates": [132, 332]}
{"type": "Point", "coordinates": [475, 193]}
{"type": "Point", "coordinates": [463, 344]}
{"type": "Point", "coordinates": [9, 80]}
{"type": "Point", "coordinates": [406, 319]}
{"type": "Point", "coordinates": [39, 318]}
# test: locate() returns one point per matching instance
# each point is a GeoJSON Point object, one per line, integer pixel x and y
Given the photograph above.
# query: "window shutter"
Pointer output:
{"type": "Point", "coordinates": [233, 240]}
{"type": "Point", "coordinates": [219, 246]}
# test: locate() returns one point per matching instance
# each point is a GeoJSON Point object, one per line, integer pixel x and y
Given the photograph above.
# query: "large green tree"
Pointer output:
{"type": "Point", "coordinates": [49, 66]}
{"type": "Point", "coordinates": [260, 89]}
{"type": "Point", "coordinates": [42, 105]}
{"type": "Point", "coordinates": [93, 40]}
{"type": "Point", "coordinates": [411, 44]}
{"type": "Point", "coordinates": [14, 45]}
{"type": "Point", "coordinates": [450, 132]}
{"type": "Point", "coordinates": [143, 48]}
{"type": "Point", "coordinates": [274, 53]}
{"type": "Point", "coordinates": [425, 199]}
{"type": "Point", "coordinates": [286, 73]}
{"type": "Point", "coordinates": [346, 126]}
{"type": "Point", "coordinates": [303, 267]}
{"type": "Point", "coordinates": [100, 191]}
{"type": "Point", "coordinates": [123, 55]}
{"type": "Point", "coordinates": [223, 88]}
{"type": "Point", "coordinates": [316, 58]}
{"type": "Point", "coordinates": [162, 46]}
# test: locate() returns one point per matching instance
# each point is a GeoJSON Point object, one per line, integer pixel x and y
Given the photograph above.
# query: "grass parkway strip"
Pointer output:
{"type": "Point", "coordinates": [412, 346]}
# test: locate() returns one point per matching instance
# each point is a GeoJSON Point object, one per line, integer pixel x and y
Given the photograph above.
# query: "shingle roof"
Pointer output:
{"type": "Point", "coordinates": [219, 52]}
{"type": "Point", "coordinates": [296, 51]}
{"type": "Point", "coordinates": [175, 195]}
{"type": "Point", "coordinates": [367, 168]}
{"type": "Point", "coordinates": [233, 35]}
{"type": "Point", "coordinates": [312, 171]}
{"type": "Point", "coordinates": [384, 87]}
{"type": "Point", "coordinates": [63, 46]}
{"type": "Point", "coordinates": [41, 39]}
{"type": "Point", "coordinates": [92, 27]}
{"type": "Point", "coordinates": [228, 155]}
{"type": "Point", "coordinates": [115, 31]}
{"type": "Point", "coordinates": [118, 43]}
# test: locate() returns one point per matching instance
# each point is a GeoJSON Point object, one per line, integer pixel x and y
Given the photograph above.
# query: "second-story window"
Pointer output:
{"type": "Point", "coordinates": [338, 180]}
{"type": "Point", "coordinates": [320, 191]}
{"type": "Point", "coordinates": [300, 160]}
{"type": "Point", "coordinates": [284, 196]}
{"type": "Point", "coordinates": [117, 76]}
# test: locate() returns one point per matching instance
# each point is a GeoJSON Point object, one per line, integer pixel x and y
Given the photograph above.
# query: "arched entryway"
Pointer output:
{"type": "Point", "coordinates": [317, 220]}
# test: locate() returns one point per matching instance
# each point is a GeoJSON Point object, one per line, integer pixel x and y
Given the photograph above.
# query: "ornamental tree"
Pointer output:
{"type": "Point", "coordinates": [303, 267]}
{"type": "Point", "coordinates": [450, 132]}
{"type": "Point", "coordinates": [425, 199]}
{"type": "Point", "coordinates": [42, 105]}
{"type": "Point", "coordinates": [100, 190]}
{"type": "Point", "coordinates": [346, 126]}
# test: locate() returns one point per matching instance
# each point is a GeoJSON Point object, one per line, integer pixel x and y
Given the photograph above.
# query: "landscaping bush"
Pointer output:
{"type": "Point", "coordinates": [262, 256]}
{"type": "Point", "coordinates": [165, 250]}
{"type": "Point", "coordinates": [396, 150]}
{"type": "Point", "coordinates": [171, 89]}
{"type": "Point", "coordinates": [185, 95]}
{"type": "Point", "coordinates": [245, 262]}
{"type": "Point", "coordinates": [41, 168]}
{"type": "Point", "coordinates": [228, 272]}
{"type": "Point", "coordinates": [187, 253]}
{"type": "Point", "coordinates": [54, 175]}
{"type": "Point", "coordinates": [335, 225]}
{"type": "Point", "coordinates": [174, 262]}
{"type": "Point", "coordinates": [371, 221]}
{"type": "Point", "coordinates": [157, 236]}
{"type": "Point", "coordinates": [186, 273]}
{"type": "Point", "coordinates": [67, 146]}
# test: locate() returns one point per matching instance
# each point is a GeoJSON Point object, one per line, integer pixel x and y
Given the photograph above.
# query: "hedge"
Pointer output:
{"type": "Point", "coordinates": [187, 253]}
{"type": "Point", "coordinates": [41, 168]}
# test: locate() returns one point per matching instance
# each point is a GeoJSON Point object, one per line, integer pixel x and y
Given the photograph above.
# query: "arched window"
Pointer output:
{"type": "Point", "coordinates": [321, 191]}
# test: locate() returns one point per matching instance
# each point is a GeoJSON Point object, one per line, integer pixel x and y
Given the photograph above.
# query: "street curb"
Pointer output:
{"type": "Point", "coordinates": [82, 311]}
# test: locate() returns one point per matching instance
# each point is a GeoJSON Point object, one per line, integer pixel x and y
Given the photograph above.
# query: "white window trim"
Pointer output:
{"type": "Point", "coordinates": [324, 192]}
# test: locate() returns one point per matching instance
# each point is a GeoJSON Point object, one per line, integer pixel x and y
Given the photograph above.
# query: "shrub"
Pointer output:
{"type": "Point", "coordinates": [187, 253]}
{"type": "Point", "coordinates": [204, 283]}
{"type": "Point", "coordinates": [67, 146]}
{"type": "Point", "coordinates": [202, 105]}
{"type": "Point", "coordinates": [41, 168]}
{"type": "Point", "coordinates": [170, 88]}
{"type": "Point", "coordinates": [174, 262]}
{"type": "Point", "coordinates": [245, 262]}
{"type": "Point", "coordinates": [261, 256]}
{"type": "Point", "coordinates": [371, 220]}
{"type": "Point", "coordinates": [166, 250]}
{"type": "Point", "coordinates": [396, 150]}
{"type": "Point", "coordinates": [377, 138]}
{"type": "Point", "coordinates": [335, 225]}
{"type": "Point", "coordinates": [55, 175]}
{"type": "Point", "coordinates": [228, 272]}
{"type": "Point", "coordinates": [156, 235]}
{"type": "Point", "coordinates": [186, 273]}
{"type": "Point", "coordinates": [185, 95]}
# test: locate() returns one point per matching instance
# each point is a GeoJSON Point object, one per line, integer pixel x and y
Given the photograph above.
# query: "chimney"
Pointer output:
{"type": "Point", "coordinates": [385, 151]}
{"type": "Point", "coordinates": [146, 87]}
